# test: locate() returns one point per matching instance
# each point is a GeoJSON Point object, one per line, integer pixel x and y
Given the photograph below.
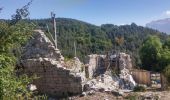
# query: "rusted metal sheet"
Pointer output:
{"type": "Point", "coordinates": [141, 76]}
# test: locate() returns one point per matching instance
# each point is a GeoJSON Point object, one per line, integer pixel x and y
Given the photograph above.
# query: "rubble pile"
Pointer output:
{"type": "Point", "coordinates": [108, 81]}
{"type": "Point", "coordinates": [105, 82]}
{"type": "Point", "coordinates": [126, 79]}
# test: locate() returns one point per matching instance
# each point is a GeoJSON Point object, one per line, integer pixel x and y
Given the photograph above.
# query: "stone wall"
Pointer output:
{"type": "Point", "coordinates": [98, 64]}
{"type": "Point", "coordinates": [123, 57]}
{"type": "Point", "coordinates": [118, 61]}
{"type": "Point", "coordinates": [95, 64]}
{"type": "Point", "coordinates": [52, 80]}
{"type": "Point", "coordinates": [40, 57]}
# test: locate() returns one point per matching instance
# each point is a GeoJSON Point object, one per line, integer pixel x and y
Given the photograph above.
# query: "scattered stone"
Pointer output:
{"type": "Point", "coordinates": [32, 87]}
{"type": "Point", "coordinates": [86, 87]}
{"type": "Point", "coordinates": [117, 93]}
{"type": "Point", "coordinates": [91, 92]}
{"type": "Point", "coordinates": [83, 94]}
{"type": "Point", "coordinates": [126, 79]}
{"type": "Point", "coordinates": [106, 99]}
{"type": "Point", "coordinates": [101, 90]}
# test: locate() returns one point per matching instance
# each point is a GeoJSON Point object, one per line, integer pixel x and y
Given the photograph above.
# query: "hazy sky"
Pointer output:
{"type": "Point", "coordinates": [94, 11]}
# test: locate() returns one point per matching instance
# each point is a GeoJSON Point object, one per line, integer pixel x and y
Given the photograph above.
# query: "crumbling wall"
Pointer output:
{"type": "Point", "coordinates": [40, 57]}
{"type": "Point", "coordinates": [119, 60]}
{"type": "Point", "coordinates": [52, 80]}
{"type": "Point", "coordinates": [95, 64]}
{"type": "Point", "coordinates": [90, 65]}
{"type": "Point", "coordinates": [98, 64]}
{"type": "Point", "coordinates": [123, 57]}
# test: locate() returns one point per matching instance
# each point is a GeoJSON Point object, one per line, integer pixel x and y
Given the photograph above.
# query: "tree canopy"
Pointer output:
{"type": "Point", "coordinates": [12, 37]}
{"type": "Point", "coordinates": [155, 55]}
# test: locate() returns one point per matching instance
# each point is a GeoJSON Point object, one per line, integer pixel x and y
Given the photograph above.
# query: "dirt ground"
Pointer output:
{"type": "Point", "coordinates": [149, 95]}
{"type": "Point", "coordinates": [99, 96]}
{"type": "Point", "coordinates": [162, 95]}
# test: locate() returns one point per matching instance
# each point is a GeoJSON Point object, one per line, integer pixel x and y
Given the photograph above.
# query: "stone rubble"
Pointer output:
{"type": "Point", "coordinates": [111, 83]}
{"type": "Point", "coordinates": [32, 87]}
{"type": "Point", "coordinates": [126, 80]}
{"type": "Point", "coordinates": [96, 84]}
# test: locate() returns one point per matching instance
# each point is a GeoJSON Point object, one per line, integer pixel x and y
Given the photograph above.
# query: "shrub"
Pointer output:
{"type": "Point", "coordinates": [132, 97]}
{"type": "Point", "coordinates": [166, 72]}
{"type": "Point", "coordinates": [139, 89]}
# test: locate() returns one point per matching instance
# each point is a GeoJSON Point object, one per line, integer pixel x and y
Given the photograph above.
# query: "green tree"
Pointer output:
{"type": "Point", "coordinates": [150, 53]}
{"type": "Point", "coordinates": [167, 44]}
{"type": "Point", "coordinates": [12, 86]}
{"type": "Point", "coordinates": [164, 55]}
{"type": "Point", "coordinates": [22, 13]}
{"type": "Point", "coordinates": [166, 72]}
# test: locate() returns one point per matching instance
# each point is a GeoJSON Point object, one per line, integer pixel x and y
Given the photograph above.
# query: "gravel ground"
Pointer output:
{"type": "Point", "coordinates": [164, 95]}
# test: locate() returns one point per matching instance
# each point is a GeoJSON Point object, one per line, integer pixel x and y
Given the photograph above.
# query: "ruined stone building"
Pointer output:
{"type": "Point", "coordinates": [117, 61]}
{"type": "Point", "coordinates": [59, 78]}
{"type": "Point", "coordinates": [94, 65]}
{"type": "Point", "coordinates": [98, 64]}
{"type": "Point", "coordinates": [99, 68]}
{"type": "Point", "coordinates": [41, 58]}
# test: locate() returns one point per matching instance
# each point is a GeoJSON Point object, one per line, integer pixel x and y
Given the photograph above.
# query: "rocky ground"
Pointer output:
{"type": "Point", "coordinates": [148, 95]}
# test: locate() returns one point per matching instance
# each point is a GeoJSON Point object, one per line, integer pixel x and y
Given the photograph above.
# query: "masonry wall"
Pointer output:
{"type": "Point", "coordinates": [52, 80]}
{"type": "Point", "coordinates": [40, 57]}
{"type": "Point", "coordinates": [95, 65]}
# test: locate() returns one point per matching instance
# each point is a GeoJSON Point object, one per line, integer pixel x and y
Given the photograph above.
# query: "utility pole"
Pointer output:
{"type": "Point", "coordinates": [75, 52]}
{"type": "Point", "coordinates": [54, 27]}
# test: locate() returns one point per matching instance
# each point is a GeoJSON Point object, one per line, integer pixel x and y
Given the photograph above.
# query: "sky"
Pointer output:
{"type": "Point", "coordinates": [118, 12]}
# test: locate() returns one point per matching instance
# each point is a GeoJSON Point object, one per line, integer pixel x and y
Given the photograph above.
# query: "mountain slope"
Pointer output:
{"type": "Point", "coordinates": [162, 25]}
{"type": "Point", "coordinates": [98, 39]}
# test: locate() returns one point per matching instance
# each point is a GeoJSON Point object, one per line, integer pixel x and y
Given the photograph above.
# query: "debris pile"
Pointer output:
{"type": "Point", "coordinates": [126, 79]}
{"type": "Point", "coordinates": [107, 81]}
{"type": "Point", "coordinates": [103, 82]}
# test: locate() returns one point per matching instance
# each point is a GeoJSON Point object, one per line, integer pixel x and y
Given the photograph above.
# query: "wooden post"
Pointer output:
{"type": "Point", "coordinates": [54, 26]}
{"type": "Point", "coordinates": [75, 52]}
{"type": "Point", "coordinates": [163, 82]}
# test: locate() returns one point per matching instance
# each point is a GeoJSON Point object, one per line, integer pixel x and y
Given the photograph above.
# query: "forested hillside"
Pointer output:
{"type": "Point", "coordinates": [98, 39]}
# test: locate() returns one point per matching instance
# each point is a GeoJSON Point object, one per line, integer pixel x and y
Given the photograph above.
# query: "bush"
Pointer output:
{"type": "Point", "coordinates": [139, 89]}
{"type": "Point", "coordinates": [132, 97]}
{"type": "Point", "coordinates": [166, 72]}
